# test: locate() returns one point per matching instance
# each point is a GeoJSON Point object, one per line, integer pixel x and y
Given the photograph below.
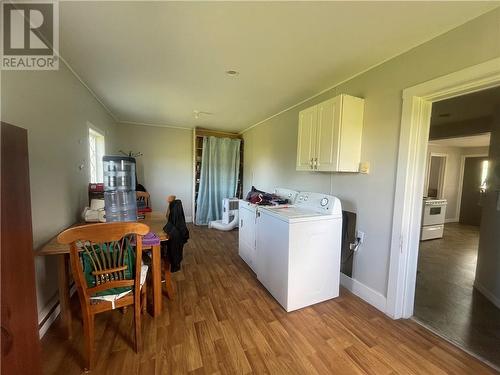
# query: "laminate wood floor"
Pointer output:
{"type": "Point", "coordinates": [223, 321]}
{"type": "Point", "coordinates": [445, 298]}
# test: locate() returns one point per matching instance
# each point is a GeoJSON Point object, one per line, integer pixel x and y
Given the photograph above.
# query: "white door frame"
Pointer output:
{"type": "Point", "coordinates": [461, 179]}
{"type": "Point", "coordinates": [415, 125]}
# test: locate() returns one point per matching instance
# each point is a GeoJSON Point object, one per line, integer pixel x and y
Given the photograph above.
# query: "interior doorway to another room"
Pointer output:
{"type": "Point", "coordinates": [447, 298]}
{"type": "Point", "coordinates": [436, 175]}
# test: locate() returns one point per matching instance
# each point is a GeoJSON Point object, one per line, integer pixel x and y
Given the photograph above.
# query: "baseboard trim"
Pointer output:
{"type": "Point", "coordinates": [452, 220]}
{"type": "Point", "coordinates": [50, 312]}
{"type": "Point", "coordinates": [364, 292]}
{"type": "Point", "coordinates": [485, 292]}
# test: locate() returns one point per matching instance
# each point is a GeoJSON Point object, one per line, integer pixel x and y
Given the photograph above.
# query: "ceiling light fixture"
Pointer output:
{"type": "Point", "coordinates": [232, 73]}
{"type": "Point", "coordinates": [197, 114]}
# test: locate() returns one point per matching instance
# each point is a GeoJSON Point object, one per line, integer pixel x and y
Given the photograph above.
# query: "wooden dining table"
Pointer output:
{"type": "Point", "coordinates": [155, 220]}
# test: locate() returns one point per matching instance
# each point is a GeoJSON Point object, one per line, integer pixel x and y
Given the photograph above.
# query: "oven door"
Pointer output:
{"type": "Point", "coordinates": [434, 214]}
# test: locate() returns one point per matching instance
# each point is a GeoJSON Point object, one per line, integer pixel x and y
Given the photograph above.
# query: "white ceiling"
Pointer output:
{"type": "Point", "coordinates": [157, 62]}
{"type": "Point", "coordinates": [481, 140]}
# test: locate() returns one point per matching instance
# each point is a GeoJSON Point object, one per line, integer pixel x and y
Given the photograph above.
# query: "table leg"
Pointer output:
{"type": "Point", "coordinates": [156, 275]}
{"type": "Point", "coordinates": [63, 280]}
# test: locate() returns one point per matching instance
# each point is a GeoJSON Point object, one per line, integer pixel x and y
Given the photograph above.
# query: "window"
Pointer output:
{"type": "Point", "coordinates": [484, 176]}
{"type": "Point", "coordinates": [96, 152]}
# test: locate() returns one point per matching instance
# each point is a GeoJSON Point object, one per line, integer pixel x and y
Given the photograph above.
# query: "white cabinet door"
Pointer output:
{"type": "Point", "coordinates": [327, 135]}
{"type": "Point", "coordinates": [306, 138]}
{"type": "Point", "coordinates": [350, 130]}
{"type": "Point", "coordinates": [247, 234]}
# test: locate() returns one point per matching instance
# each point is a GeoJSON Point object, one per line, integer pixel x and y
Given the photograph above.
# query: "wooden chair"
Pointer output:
{"type": "Point", "coordinates": [105, 249]}
{"type": "Point", "coordinates": [144, 196]}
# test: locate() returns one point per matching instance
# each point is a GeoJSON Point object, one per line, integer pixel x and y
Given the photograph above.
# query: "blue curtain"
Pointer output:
{"type": "Point", "coordinates": [220, 166]}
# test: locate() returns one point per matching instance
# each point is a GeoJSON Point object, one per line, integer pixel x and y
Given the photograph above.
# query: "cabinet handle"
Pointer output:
{"type": "Point", "coordinates": [241, 223]}
{"type": "Point", "coordinates": [316, 163]}
{"type": "Point", "coordinates": [311, 163]}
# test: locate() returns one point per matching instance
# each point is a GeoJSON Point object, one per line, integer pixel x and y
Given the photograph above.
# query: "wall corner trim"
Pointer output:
{"type": "Point", "coordinates": [125, 122]}
{"type": "Point", "coordinates": [87, 87]}
{"type": "Point", "coordinates": [364, 292]}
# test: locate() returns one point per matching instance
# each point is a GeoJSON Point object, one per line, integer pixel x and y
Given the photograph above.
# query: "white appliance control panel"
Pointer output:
{"type": "Point", "coordinates": [289, 194]}
{"type": "Point", "coordinates": [435, 202]}
{"type": "Point", "coordinates": [318, 202]}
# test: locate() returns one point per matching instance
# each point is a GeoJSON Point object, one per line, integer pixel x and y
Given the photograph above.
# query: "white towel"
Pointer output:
{"type": "Point", "coordinates": [113, 297]}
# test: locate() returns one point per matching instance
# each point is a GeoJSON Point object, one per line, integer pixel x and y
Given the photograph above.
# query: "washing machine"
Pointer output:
{"type": "Point", "coordinates": [298, 250]}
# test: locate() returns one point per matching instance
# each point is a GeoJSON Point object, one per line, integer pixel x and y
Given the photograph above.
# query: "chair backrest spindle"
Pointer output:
{"type": "Point", "coordinates": [102, 255]}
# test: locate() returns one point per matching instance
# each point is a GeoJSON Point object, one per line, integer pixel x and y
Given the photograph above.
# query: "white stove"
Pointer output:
{"type": "Point", "coordinates": [298, 250]}
{"type": "Point", "coordinates": [433, 218]}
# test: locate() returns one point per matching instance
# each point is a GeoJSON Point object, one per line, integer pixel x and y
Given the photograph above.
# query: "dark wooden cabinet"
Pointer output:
{"type": "Point", "coordinates": [19, 323]}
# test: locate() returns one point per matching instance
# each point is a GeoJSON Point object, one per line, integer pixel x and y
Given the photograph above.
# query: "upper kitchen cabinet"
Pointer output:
{"type": "Point", "coordinates": [307, 138]}
{"type": "Point", "coordinates": [329, 135]}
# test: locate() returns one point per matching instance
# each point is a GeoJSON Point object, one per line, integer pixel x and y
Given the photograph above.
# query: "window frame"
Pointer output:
{"type": "Point", "coordinates": [100, 145]}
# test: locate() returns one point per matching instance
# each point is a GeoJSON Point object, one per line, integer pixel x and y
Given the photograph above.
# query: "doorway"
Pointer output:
{"type": "Point", "coordinates": [445, 298]}
{"type": "Point", "coordinates": [410, 175]}
{"type": "Point", "coordinates": [415, 127]}
{"type": "Point", "coordinates": [457, 180]}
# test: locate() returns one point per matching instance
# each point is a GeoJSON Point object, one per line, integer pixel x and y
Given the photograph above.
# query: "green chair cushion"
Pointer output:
{"type": "Point", "coordinates": [129, 260]}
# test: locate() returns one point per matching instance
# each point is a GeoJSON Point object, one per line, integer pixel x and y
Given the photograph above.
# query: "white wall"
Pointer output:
{"type": "Point", "coordinates": [270, 148]}
{"type": "Point", "coordinates": [488, 259]}
{"type": "Point", "coordinates": [55, 108]}
{"type": "Point", "coordinates": [167, 164]}
{"type": "Point", "coordinates": [452, 174]}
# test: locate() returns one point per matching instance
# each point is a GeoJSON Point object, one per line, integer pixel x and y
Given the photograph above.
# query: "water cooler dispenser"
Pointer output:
{"type": "Point", "coordinates": [119, 188]}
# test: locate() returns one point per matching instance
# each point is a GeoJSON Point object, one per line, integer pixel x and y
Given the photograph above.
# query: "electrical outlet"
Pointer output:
{"type": "Point", "coordinates": [364, 167]}
{"type": "Point", "coordinates": [361, 236]}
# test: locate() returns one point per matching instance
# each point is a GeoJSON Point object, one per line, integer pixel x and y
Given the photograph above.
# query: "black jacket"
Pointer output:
{"type": "Point", "coordinates": [178, 234]}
